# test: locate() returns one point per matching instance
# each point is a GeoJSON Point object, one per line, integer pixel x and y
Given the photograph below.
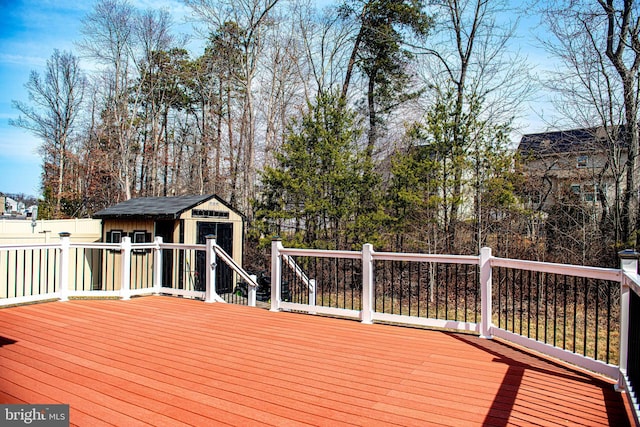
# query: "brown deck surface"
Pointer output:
{"type": "Point", "coordinates": [170, 361]}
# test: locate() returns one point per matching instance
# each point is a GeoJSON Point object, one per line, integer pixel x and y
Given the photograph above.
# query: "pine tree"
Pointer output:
{"type": "Point", "coordinates": [313, 195]}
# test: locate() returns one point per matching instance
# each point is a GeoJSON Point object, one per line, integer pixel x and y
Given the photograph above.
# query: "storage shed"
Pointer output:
{"type": "Point", "coordinates": [181, 219]}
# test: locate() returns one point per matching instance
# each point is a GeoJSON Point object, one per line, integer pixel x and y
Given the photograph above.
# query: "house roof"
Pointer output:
{"type": "Point", "coordinates": [155, 207]}
{"type": "Point", "coordinates": [565, 141]}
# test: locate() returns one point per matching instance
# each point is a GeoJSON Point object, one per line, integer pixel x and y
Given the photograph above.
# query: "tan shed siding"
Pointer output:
{"type": "Point", "coordinates": [191, 227]}
{"type": "Point", "coordinates": [213, 205]}
{"type": "Point", "coordinates": [127, 226]}
{"type": "Point", "coordinates": [215, 211]}
{"type": "Point", "coordinates": [141, 261]}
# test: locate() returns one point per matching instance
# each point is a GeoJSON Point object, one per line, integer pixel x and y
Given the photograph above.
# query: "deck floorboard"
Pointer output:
{"type": "Point", "coordinates": [172, 361]}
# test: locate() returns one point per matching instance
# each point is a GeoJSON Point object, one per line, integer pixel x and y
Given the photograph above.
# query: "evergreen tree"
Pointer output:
{"type": "Point", "coordinates": [380, 52]}
{"type": "Point", "coordinates": [313, 195]}
{"type": "Point", "coordinates": [426, 177]}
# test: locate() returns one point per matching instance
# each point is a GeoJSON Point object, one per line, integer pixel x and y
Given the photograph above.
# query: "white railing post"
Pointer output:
{"type": "Point", "coordinates": [157, 265]}
{"type": "Point", "coordinates": [312, 294]}
{"type": "Point", "coordinates": [125, 283]}
{"type": "Point", "coordinates": [628, 264]}
{"type": "Point", "coordinates": [210, 274]}
{"type": "Point", "coordinates": [64, 265]}
{"type": "Point", "coordinates": [251, 292]}
{"type": "Point", "coordinates": [366, 316]}
{"type": "Point", "coordinates": [276, 269]}
{"type": "Point", "coordinates": [486, 323]}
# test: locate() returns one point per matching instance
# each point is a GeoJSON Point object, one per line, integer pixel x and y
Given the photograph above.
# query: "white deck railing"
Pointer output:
{"type": "Point", "coordinates": [63, 270]}
{"type": "Point", "coordinates": [366, 309]}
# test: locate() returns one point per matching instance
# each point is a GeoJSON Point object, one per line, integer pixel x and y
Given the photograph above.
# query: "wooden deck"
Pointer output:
{"type": "Point", "coordinates": [170, 361]}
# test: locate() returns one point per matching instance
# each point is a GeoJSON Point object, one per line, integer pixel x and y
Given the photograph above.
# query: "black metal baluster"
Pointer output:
{"type": "Point", "coordinates": [446, 291]}
{"type": "Point", "coordinates": [455, 286]}
{"type": "Point", "coordinates": [575, 311]}
{"type": "Point", "coordinates": [419, 289]}
{"type": "Point", "coordinates": [585, 287]}
{"type": "Point", "coordinates": [597, 309]}
{"type": "Point", "coordinates": [344, 283]}
{"type": "Point", "coordinates": [546, 307]}
{"type": "Point", "coordinates": [437, 290]}
{"type": "Point", "coordinates": [608, 322]}
{"type": "Point", "coordinates": [476, 287]}
{"type": "Point", "coordinates": [537, 286]}
{"type": "Point", "coordinates": [521, 298]}
{"type": "Point", "coordinates": [393, 286]}
{"type": "Point", "coordinates": [513, 300]}
{"type": "Point", "coordinates": [466, 292]}
{"type": "Point", "coordinates": [529, 275]}
{"type": "Point", "coordinates": [499, 293]}
{"type": "Point", "coordinates": [555, 308]}
{"type": "Point", "coordinates": [565, 344]}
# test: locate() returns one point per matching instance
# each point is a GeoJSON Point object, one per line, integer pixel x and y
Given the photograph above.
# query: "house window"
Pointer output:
{"type": "Point", "coordinates": [575, 188]}
{"type": "Point", "coordinates": [592, 196]}
{"type": "Point", "coordinates": [582, 162]}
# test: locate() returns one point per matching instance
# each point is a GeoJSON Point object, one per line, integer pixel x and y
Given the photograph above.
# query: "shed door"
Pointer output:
{"type": "Point", "coordinates": [224, 238]}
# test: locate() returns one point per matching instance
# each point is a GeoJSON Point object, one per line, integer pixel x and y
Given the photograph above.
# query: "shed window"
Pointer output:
{"type": "Point", "coordinates": [114, 236]}
{"type": "Point", "coordinates": [140, 236]}
{"type": "Point", "coordinates": [203, 213]}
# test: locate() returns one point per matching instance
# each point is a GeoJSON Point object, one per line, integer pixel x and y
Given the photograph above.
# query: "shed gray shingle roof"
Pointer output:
{"type": "Point", "coordinates": [153, 207]}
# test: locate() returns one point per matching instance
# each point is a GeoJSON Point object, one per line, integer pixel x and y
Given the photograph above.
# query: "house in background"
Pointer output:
{"type": "Point", "coordinates": [573, 164]}
{"type": "Point", "coordinates": [182, 219]}
{"type": "Point", "coordinates": [12, 206]}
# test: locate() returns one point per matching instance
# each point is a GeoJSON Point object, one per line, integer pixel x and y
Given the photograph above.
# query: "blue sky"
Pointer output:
{"type": "Point", "coordinates": [29, 32]}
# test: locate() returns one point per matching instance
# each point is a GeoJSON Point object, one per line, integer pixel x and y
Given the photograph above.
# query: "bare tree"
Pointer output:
{"type": "Point", "coordinates": [158, 73]}
{"type": "Point", "coordinates": [55, 101]}
{"type": "Point", "coordinates": [598, 43]}
{"type": "Point", "coordinates": [471, 57]}
{"type": "Point", "coordinates": [108, 37]}
{"type": "Point", "coordinates": [380, 51]}
{"type": "Point", "coordinates": [251, 17]}
{"type": "Point", "coordinates": [327, 43]}
{"type": "Point", "coordinates": [284, 72]}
